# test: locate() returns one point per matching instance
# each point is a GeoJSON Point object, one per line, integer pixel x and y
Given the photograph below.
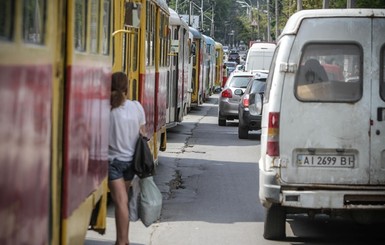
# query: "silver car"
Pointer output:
{"type": "Point", "coordinates": [228, 101]}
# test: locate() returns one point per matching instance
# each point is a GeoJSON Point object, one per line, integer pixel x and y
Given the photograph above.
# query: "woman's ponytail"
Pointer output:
{"type": "Point", "coordinates": [119, 86]}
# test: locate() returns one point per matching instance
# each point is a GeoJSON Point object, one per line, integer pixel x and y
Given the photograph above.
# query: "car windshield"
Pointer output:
{"type": "Point", "coordinates": [231, 64]}
{"type": "Point", "coordinates": [239, 82]}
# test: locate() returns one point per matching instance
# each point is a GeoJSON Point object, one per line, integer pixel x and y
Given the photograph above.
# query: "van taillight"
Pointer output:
{"type": "Point", "coordinates": [227, 93]}
{"type": "Point", "coordinates": [246, 101]}
{"type": "Point", "coordinates": [273, 134]}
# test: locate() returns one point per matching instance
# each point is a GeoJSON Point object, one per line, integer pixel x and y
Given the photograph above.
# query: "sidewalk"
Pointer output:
{"type": "Point", "coordinates": [166, 178]}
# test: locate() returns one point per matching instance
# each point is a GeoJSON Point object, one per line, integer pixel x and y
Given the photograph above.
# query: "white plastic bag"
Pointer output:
{"type": "Point", "coordinates": [150, 201]}
{"type": "Point", "coordinates": [134, 195]}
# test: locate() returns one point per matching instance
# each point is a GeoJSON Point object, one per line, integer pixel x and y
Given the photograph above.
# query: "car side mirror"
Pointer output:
{"type": "Point", "coordinates": [259, 103]}
{"type": "Point", "coordinates": [238, 92]}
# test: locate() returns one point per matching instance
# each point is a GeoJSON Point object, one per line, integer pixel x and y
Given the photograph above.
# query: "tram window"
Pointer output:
{"type": "Point", "coordinates": [106, 28]}
{"type": "Point", "coordinates": [148, 30]}
{"type": "Point", "coordinates": [6, 19]}
{"type": "Point", "coordinates": [162, 36]}
{"type": "Point", "coordinates": [135, 53]}
{"type": "Point", "coordinates": [150, 49]}
{"type": "Point", "coordinates": [80, 25]}
{"type": "Point", "coordinates": [134, 88]}
{"type": "Point", "coordinates": [94, 32]}
{"type": "Point", "coordinates": [125, 51]}
{"type": "Point", "coordinates": [132, 17]}
{"type": "Point", "coordinates": [193, 48]}
{"type": "Point", "coordinates": [152, 37]}
{"type": "Point", "coordinates": [33, 21]}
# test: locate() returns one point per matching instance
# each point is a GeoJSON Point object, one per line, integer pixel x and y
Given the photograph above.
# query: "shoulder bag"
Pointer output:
{"type": "Point", "coordinates": [143, 160]}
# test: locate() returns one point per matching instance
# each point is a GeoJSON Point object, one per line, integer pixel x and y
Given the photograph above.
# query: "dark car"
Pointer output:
{"type": "Point", "coordinates": [234, 56]}
{"type": "Point", "coordinates": [250, 106]}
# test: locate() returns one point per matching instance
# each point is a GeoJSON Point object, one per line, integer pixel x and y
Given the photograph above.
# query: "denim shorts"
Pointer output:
{"type": "Point", "coordinates": [120, 169]}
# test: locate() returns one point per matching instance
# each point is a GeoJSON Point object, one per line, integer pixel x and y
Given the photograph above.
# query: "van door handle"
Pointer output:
{"type": "Point", "coordinates": [380, 114]}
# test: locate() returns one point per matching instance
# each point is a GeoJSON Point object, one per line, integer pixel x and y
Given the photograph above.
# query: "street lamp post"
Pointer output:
{"type": "Point", "coordinates": [249, 7]}
{"type": "Point", "coordinates": [231, 34]}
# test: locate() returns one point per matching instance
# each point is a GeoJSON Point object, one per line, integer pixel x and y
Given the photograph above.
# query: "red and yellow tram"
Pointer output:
{"type": "Point", "coordinates": [55, 69]}
{"type": "Point", "coordinates": [197, 70]}
{"type": "Point", "coordinates": [218, 65]}
{"type": "Point", "coordinates": [56, 60]}
{"type": "Point", "coordinates": [141, 46]}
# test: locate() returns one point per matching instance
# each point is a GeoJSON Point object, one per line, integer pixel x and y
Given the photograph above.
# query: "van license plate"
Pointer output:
{"type": "Point", "coordinates": [346, 161]}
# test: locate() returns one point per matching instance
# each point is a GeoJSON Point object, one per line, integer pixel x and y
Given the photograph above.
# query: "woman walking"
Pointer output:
{"type": "Point", "coordinates": [127, 121]}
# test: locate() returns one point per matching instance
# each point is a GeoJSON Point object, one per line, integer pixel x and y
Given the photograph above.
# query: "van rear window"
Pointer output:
{"type": "Point", "coordinates": [330, 73]}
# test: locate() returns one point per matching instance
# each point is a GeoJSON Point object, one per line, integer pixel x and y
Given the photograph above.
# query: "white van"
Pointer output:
{"type": "Point", "coordinates": [259, 57]}
{"type": "Point", "coordinates": [323, 119]}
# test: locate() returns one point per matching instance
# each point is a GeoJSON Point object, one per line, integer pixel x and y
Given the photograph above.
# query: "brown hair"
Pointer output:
{"type": "Point", "coordinates": [119, 87]}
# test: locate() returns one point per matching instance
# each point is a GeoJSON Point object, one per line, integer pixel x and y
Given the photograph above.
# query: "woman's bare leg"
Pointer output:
{"type": "Point", "coordinates": [120, 198]}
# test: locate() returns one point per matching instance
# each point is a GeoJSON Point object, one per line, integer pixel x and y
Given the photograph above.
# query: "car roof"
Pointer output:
{"type": "Point", "coordinates": [261, 75]}
{"type": "Point", "coordinates": [242, 74]}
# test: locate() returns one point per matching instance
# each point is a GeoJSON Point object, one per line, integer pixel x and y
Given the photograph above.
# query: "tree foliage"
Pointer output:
{"type": "Point", "coordinates": [230, 15]}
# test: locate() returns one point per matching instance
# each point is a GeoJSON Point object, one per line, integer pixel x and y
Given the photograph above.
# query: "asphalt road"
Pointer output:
{"type": "Point", "coordinates": [209, 182]}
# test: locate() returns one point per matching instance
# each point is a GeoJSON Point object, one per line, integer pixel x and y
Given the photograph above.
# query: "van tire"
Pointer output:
{"type": "Point", "coordinates": [275, 222]}
{"type": "Point", "coordinates": [243, 133]}
{"type": "Point", "coordinates": [221, 122]}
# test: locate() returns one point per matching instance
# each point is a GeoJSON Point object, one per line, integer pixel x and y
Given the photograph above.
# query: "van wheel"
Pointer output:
{"type": "Point", "coordinates": [275, 222]}
{"type": "Point", "coordinates": [221, 122]}
{"type": "Point", "coordinates": [243, 133]}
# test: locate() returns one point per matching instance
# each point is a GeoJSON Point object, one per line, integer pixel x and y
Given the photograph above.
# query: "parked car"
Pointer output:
{"type": "Point", "coordinates": [259, 56]}
{"type": "Point", "coordinates": [226, 49]}
{"type": "Point", "coordinates": [234, 56]}
{"type": "Point", "coordinates": [239, 68]}
{"type": "Point", "coordinates": [228, 101]}
{"type": "Point", "coordinates": [250, 106]}
{"type": "Point", "coordinates": [230, 66]}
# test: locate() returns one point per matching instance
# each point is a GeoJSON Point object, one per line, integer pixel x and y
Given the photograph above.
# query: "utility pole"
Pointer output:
{"type": "Point", "coordinates": [212, 21]}
{"type": "Point", "coordinates": [268, 21]}
{"type": "Point", "coordinates": [325, 4]}
{"type": "Point", "coordinates": [189, 15]}
{"type": "Point", "coordinates": [202, 16]}
{"type": "Point", "coordinates": [276, 20]}
{"type": "Point", "coordinates": [258, 18]}
{"type": "Point", "coordinates": [351, 4]}
{"type": "Point", "coordinates": [299, 5]}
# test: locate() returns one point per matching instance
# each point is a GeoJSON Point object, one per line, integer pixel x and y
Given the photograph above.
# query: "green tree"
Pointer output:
{"type": "Point", "coordinates": [230, 15]}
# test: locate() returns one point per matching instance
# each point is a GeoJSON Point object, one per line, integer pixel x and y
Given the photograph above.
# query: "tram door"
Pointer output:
{"type": "Point", "coordinates": [131, 48]}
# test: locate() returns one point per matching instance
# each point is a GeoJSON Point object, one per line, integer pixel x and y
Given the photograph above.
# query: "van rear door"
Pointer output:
{"type": "Point", "coordinates": [325, 126]}
{"type": "Point", "coordinates": [377, 144]}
